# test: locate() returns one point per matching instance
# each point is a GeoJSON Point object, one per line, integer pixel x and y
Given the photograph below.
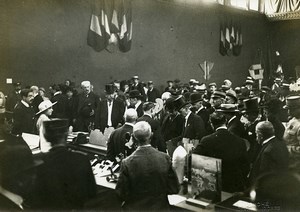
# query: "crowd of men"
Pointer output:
{"type": "Point", "coordinates": [255, 131]}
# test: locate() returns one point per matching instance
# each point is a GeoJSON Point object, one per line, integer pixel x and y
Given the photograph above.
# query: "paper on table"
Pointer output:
{"type": "Point", "coordinates": [245, 205]}
{"type": "Point", "coordinates": [31, 140]}
{"type": "Point", "coordinates": [174, 199]}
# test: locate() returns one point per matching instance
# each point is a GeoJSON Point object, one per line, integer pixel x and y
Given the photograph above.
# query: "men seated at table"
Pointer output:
{"type": "Point", "coordinates": [146, 176]}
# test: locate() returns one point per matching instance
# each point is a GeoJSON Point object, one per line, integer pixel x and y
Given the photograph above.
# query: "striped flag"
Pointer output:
{"type": "Point", "coordinates": [110, 25]}
{"type": "Point", "coordinates": [125, 36]}
{"type": "Point", "coordinates": [222, 48]}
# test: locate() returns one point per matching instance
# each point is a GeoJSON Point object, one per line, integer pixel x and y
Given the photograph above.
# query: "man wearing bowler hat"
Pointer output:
{"type": "Point", "coordinates": [234, 125]}
{"type": "Point", "coordinates": [135, 102]}
{"type": "Point", "coordinates": [110, 111]}
{"type": "Point", "coordinates": [136, 85]}
{"type": "Point", "coordinates": [196, 101]}
{"type": "Point", "coordinates": [65, 181]}
{"type": "Point", "coordinates": [152, 92]}
{"type": "Point", "coordinates": [292, 131]}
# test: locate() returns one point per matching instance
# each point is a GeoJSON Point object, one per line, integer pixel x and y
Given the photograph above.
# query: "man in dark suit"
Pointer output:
{"type": "Point", "coordinates": [60, 108]}
{"type": "Point", "coordinates": [23, 114]}
{"type": "Point", "coordinates": [135, 102]}
{"type": "Point", "coordinates": [194, 128]}
{"type": "Point", "coordinates": [37, 98]}
{"type": "Point", "coordinates": [87, 103]}
{"type": "Point", "coordinates": [231, 149]}
{"type": "Point", "coordinates": [157, 140]}
{"type": "Point", "coordinates": [118, 138]}
{"type": "Point", "coordinates": [146, 176]}
{"type": "Point", "coordinates": [136, 85]}
{"type": "Point", "coordinates": [234, 125]}
{"type": "Point", "coordinates": [65, 181]}
{"type": "Point", "coordinates": [13, 98]}
{"type": "Point", "coordinates": [200, 110]}
{"type": "Point", "coordinates": [110, 111]}
{"type": "Point", "coordinates": [152, 92]}
{"type": "Point", "coordinates": [273, 155]}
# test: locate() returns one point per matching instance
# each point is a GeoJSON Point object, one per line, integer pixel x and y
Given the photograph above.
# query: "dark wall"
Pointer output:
{"type": "Point", "coordinates": [44, 42]}
{"type": "Point", "coordinates": [285, 39]}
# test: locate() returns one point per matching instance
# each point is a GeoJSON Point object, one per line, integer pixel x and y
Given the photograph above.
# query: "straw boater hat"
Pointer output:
{"type": "Point", "coordinates": [218, 94]}
{"type": "Point", "coordinates": [45, 105]}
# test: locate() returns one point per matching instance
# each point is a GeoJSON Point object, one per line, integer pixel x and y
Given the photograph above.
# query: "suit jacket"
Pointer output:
{"type": "Point", "coordinates": [140, 88]}
{"type": "Point", "coordinates": [23, 119]}
{"type": "Point", "coordinates": [101, 115]}
{"type": "Point", "coordinates": [273, 156]}
{"type": "Point", "coordinates": [35, 103]}
{"type": "Point", "coordinates": [146, 177]}
{"type": "Point", "coordinates": [236, 127]}
{"type": "Point", "coordinates": [232, 150]}
{"type": "Point", "coordinates": [12, 101]}
{"type": "Point", "coordinates": [116, 142]}
{"type": "Point", "coordinates": [65, 181]}
{"type": "Point", "coordinates": [194, 128]}
{"type": "Point", "coordinates": [152, 95]}
{"type": "Point", "coordinates": [60, 108]}
{"type": "Point", "coordinates": [204, 114]}
{"type": "Point", "coordinates": [157, 140]}
{"type": "Point", "coordinates": [172, 126]}
{"type": "Point", "coordinates": [91, 101]}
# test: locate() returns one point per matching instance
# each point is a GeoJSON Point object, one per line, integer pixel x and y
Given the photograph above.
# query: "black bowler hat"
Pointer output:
{"type": "Point", "coordinates": [170, 104]}
{"type": "Point", "coordinates": [196, 97]}
{"type": "Point", "coordinates": [180, 102]}
{"type": "Point", "coordinates": [134, 94]}
{"type": "Point", "coordinates": [251, 105]}
{"type": "Point", "coordinates": [110, 89]}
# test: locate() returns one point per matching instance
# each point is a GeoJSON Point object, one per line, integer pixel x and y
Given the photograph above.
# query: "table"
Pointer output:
{"type": "Point", "coordinates": [102, 182]}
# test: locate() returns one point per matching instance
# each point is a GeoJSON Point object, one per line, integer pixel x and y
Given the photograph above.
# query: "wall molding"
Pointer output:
{"type": "Point", "coordinates": [283, 16]}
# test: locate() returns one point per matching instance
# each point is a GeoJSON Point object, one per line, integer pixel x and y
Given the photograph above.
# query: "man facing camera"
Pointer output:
{"type": "Point", "coordinates": [146, 176]}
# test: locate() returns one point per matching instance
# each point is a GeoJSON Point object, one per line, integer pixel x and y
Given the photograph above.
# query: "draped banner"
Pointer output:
{"type": "Point", "coordinates": [110, 24]}
{"type": "Point", "coordinates": [231, 39]}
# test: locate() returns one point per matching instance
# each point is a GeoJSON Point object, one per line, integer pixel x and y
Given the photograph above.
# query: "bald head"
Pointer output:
{"type": "Point", "coordinates": [130, 115]}
{"type": "Point", "coordinates": [264, 130]}
{"type": "Point", "coordinates": [142, 132]}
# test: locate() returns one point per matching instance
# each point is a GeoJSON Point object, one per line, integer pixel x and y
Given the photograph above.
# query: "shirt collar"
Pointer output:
{"type": "Point", "coordinates": [268, 139]}
{"type": "Point", "coordinates": [143, 146]}
{"type": "Point", "coordinates": [221, 128]}
{"type": "Point", "coordinates": [188, 115]}
{"type": "Point", "coordinates": [200, 109]}
{"type": "Point", "coordinates": [130, 124]}
{"type": "Point", "coordinates": [56, 93]}
{"type": "Point", "coordinates": [148, 114]}
{"type": "Point", "coordinates": [25, 103]}
{"type": "Point", "coordinates": [138, 104]}
{"type": "Point", "coordinates": [231, 119]}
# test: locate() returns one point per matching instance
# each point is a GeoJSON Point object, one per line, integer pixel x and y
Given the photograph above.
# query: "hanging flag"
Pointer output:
{"type": "Point", "coordinates": [125, 35]}
{"type": "Point", "coordinates": [111, 25]}
{"type": "Point", "coordinates": [96, 36]}
{"type": "Point", "coordinates": [222, 48]}
{"type": "Point", "coordinates": [228, 44]}
{"type": "Point", "coordinates": [237, 46]}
